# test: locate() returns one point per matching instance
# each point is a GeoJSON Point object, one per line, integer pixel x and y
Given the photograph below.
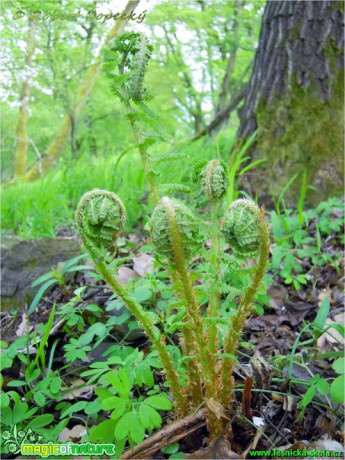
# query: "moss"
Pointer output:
{"type": "Point", "coordinates": [304, 132]}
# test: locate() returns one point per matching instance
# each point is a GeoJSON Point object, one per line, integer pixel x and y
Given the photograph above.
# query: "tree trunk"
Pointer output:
{"type": "Point", "coordinates": [295, 99]}
{"type": "Point", "coordinates": [22, 128]}
{"type": "Point", "coordinates": [59, 142]}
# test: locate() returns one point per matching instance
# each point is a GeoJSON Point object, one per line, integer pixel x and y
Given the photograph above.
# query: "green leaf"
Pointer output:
{"type": "Point", "coordinates": [111, 403]}
{"type": "Point", "coordinates": [323, 312]}
{"type": "Point", "coordinates": [4, 400]}
{"type": "Point", "coordinates": [68, 264]}
{"type": "Point", "coordinates": [177, 456]}
{"type": "Point", "coordinates": [339, 366]}
{"type": "Point", "coordinates": [145, 415]}
{"type": "Point", "coordinates": [93, 307]}
{"type": "Point", "coordinates": [6, 362]}
{"type": "Point", "coordinates": [39, 398]}
{"type": "Point", "coordinates": [21, 412]}
{"type": "Point", "coordinates": [137, 431]}
{"type": "Point", "coordinates": [338, 389]}
{"type": "Point", "coordinates": [31, 376]}
{"type": "Point", "coordinates": [103, 393]}
{"type": "Point", "coordinates": [155, 417]}
{"type": "Point", "coordinates": [39, 294]}
{"type": "Point", "coordinates": [119, 409]}
{"type": "Point", "coordinates": [93, 407]}
{"type": "Point", "coordinates": [142, 294]}
{"type": "Point", "coordinates": [123, 426]}
{"type": "Point", "coordinates": [78, 406]}
{"type": "Point", "coordinates": [104, 432]}
{"type": "Point", "coordinates": [322, 386]}
{"type": "Point", "coordinates": [172, 449]}
{"type": "Point", "coordinates": [308, 397]}
{"type": "Point", "coordinates": [158, 402]}
{"type": "Point", "coordinates": [119, 380]}
{"type": "Point", "coordinates": [79, 268]}
{"type": "Point", "coordinates": [16, 383]}
{"type": "Point", "coordinates": [55, 385]}
{"type": "Point", "coordinates": [144, 375]}
{"type": "Point", "coordinates": [41, 279]}
{"type": "Point", "coordinates": [40, 421]}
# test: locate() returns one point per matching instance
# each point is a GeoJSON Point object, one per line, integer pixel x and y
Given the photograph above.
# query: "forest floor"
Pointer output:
{"type": "Point", "coordinates": [284, 357]}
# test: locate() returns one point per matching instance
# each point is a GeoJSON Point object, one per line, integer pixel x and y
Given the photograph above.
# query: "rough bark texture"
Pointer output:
{"type": "Point", "coordinates": [295, 99]}
{"type": "Point", "coordinates": [22, 124]}
{"type": "Point", "coordinates": [59, 142]}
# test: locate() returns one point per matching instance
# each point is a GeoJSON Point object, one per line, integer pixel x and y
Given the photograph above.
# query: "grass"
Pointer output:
{"type": "Point", "coordinates": [41, 208]}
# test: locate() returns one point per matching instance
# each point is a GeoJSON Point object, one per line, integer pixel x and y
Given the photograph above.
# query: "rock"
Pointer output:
{"type": "Point", "coordinates": [23, 261]}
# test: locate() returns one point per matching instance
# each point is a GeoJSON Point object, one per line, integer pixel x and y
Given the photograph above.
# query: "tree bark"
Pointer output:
{"type": "Point", "coordinates": [295, 99]}
{"type": "Point", "coordinates": [22, 124]}
{"type": "Point", "coordinates": [59, 142]}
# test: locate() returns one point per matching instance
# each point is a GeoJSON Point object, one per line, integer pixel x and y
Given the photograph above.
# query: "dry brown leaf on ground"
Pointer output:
{"type": "Point", "coordinates": [332, 336]}
{"type": "Point", "coordinates": [143, 264]}
{"type": "Point", "coordinates": [78, 390]}
{"type": "Point", "coordinates": [125, 274]}
{"type": "Point", "coordinates": [23, 327]}
{"type": "Point", "coordinates": [73, 435]}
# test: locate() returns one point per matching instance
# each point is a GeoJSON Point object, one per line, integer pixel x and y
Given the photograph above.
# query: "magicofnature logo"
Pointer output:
{"type": "Point", "coordinates": [14, 439]}
{"type": "Point", "coordinates": [29, 443]}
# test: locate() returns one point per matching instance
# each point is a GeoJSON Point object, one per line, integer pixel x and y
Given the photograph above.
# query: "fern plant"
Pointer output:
{"type": "Point", "coordinates": [208, 341]}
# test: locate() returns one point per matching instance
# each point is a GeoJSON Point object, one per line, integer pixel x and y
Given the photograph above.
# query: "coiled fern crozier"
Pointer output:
{"type": "Point", "coordinates": [208, 340]}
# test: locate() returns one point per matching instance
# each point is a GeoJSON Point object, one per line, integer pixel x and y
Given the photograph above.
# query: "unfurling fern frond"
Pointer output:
{"type": "Point", "coordinates": [213, 177]}
{"type": "Point", "coordinates": [241, 228]}
{"type": "Point", "coordinates": [183, 222]}
{"type": "Point", "coordinates": [131, 52]}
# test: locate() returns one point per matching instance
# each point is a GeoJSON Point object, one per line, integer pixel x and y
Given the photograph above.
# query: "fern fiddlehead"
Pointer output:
{"type": "Point", "coordinates": [241, 228]}
{"type": "Point", "coordinates": [245, 229]}
{"type": "Point", "coordinates": [214, 179]}
{"type": "Point", "coordinates": [100, 217]}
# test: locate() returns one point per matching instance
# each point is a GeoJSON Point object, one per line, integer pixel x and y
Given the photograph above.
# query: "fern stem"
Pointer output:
{"type": "Point", "coordinates": [206, 359]}
{"type": "Point", "coordinates": [194, 388]}
{"type": "Point", "coordinates": [95, 242]}
{"type": "Point", "coordinates": [145, 158]}
{"type": "Point", "coordinates": [231, 341]}
{"type": "Point", "coordinates": [153, 333]}
{"type": "Point", "coordinates": [214, 260]}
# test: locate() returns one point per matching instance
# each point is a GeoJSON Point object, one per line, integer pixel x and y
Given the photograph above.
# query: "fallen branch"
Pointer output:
{"type": "Point", "coordinates": [168, 435]}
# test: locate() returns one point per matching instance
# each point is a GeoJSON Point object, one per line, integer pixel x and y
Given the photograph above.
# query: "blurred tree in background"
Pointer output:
{"type": "Point", "coordinates": [203, 53]}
